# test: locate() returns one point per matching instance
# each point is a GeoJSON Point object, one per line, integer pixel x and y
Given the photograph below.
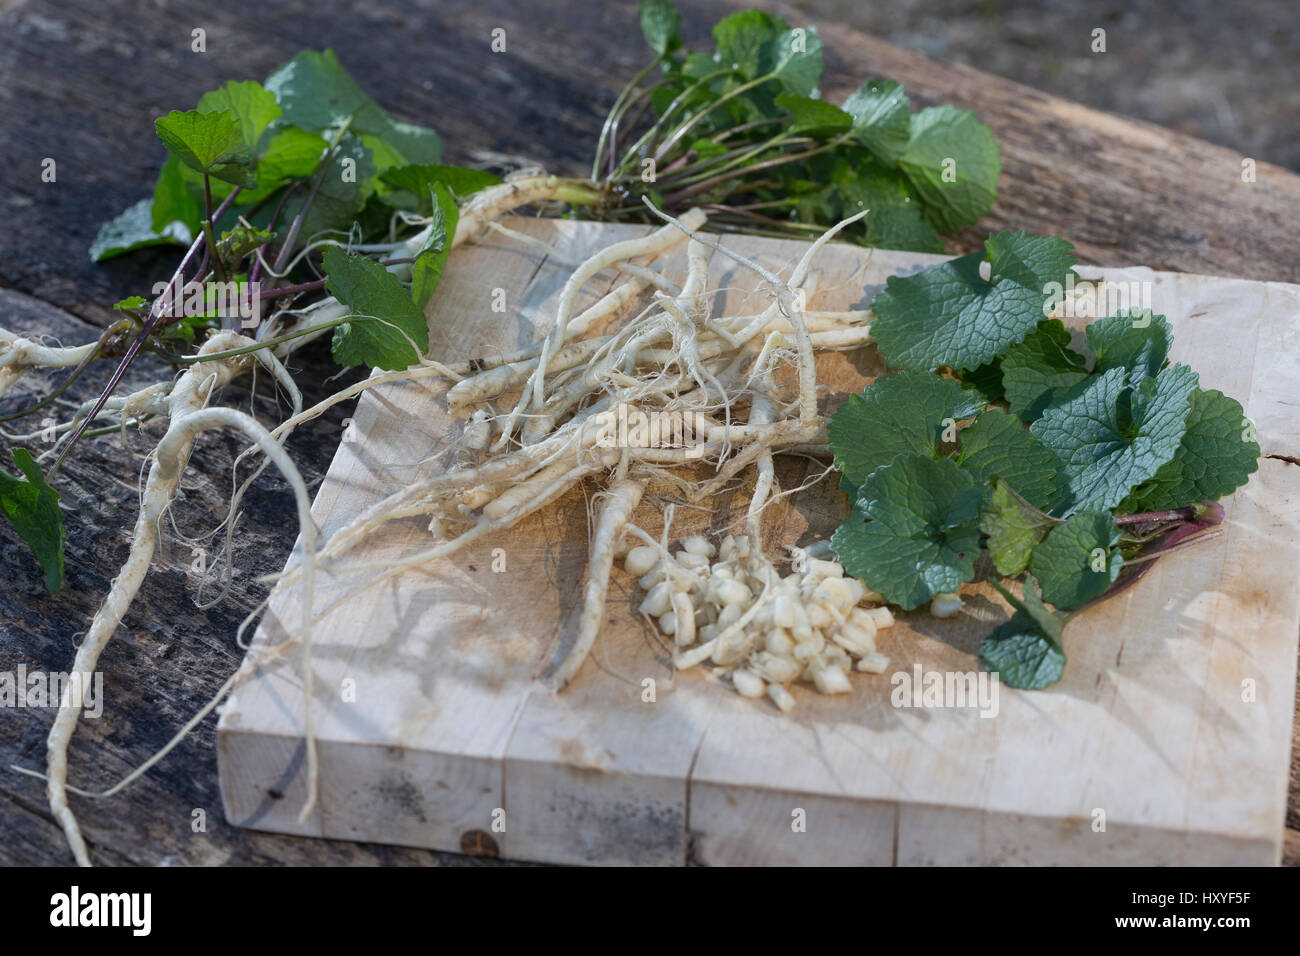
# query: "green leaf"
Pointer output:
{"type": "Point", "coordinates": [896, 219]}
{"type": "Point", "coordinates": [986, 379]}
{"type": "Point", "coordinates": [948, 315]}
{"type": "Point", "coordinates": [237, 243]}
{"type": "Point", "coordinates": [1014, 527]}
{"type": "Point", "coordinates": [795, 60]}
{"type": "Point", "coordinates": [1130, 339]}
{"type": "Point", "coordinates": [707, 148]}
{"type": "Point", "coordinates": [429, 263]}
{"type": "Point", "coordinates": [32, 506]}
{"type": "Point", "coordinates": [291, 153]}
{"type": "Point", "coordinates": [1078, 560]}
{"type": "Point", "coordinates": [413, 143]}
{"type": "Point", "coordinates": [132, 230]}
{"type": "Point", "coordinates": [1218, 454]}
{"type": "Point", "coordinates": [881, 118]}
{"type": "Point", "coordinates": [897, 414]}
{"type": "Point", "coordinates": [342, 192]}
{"type": "Point", "coordinates": [1030, 603]}
{"type": "Point", "coordinates": [695, 66]}
{"type": "Point", "coordinates": [316, 93]}
{"type": "Point", "coordinates": [1041, 370]}
{"type": "Point", "coordinates": [914, 530]}
{"type": "Point", "coordinates": [1026, 651]}
{"type": "Point", "coordinates": [210, 143]}
{"type": "Point", "coordinates": [1111, 438]}
{"type": "Point", "coordinates": [384, 315]}
{"type": "Point", "coordinates": [216, 300]}
{"type": "Point", "coordinates": [175, 201]}
{"type": "Point", "coordinates": [253, 108]}
{"type": "Point", "coordinates": [811, 201]}
{"type": "Point", "coordinates": [996, 444]}
{"type": "Point", "coordinates": [812, 116]}
{"type": "Point", "coordinates": [953, 161]}
{"type": "Point", "coordinates": [410, 185]}
{"type": "Point", "coordinates": [1022, 655]}
{"type": "Point", "coordinates": [744, 39]}
{"type": "Point", "coordinates": [187, 328]}
{"type": "Point", "coordinates": [659, 24]}
{"type": "Point", "coordinates": [384, 157]}
{"type": "Point", "coordinates": [131, 304]}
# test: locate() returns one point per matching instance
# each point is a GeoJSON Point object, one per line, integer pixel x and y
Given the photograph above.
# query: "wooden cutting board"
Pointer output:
{"type": "Point", "coordinates": [1167, 742]}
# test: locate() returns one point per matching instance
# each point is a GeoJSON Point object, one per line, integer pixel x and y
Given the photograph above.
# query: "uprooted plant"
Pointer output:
{"type": "Point", "coordinates": [305, 209]}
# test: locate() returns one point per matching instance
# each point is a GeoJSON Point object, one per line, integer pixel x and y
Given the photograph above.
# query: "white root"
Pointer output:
{"type": "Point", "coordinates": [20, 355]}
{"type": "Point", "coordinates": [790, 306]}
{"type": "Point", "coordinates": [946, 605]}
{"type": "Point", "coordinates": [189, 417]}
{"type": "Point", "coordinates": [620, 501]}
{"type": "Point", "coordinates": [650, 245]}
{"type": "Point", "coordinates": [760, 414]}
{"type": "Point", "coordinates": [488, 205]}
{"type": "Point", "coordinates": [503, 378]}
{"type": "Point", "coordinates": [608, 306]}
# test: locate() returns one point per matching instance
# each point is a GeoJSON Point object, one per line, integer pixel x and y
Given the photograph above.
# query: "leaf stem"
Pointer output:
{"type": "Point", "coordinates": [608, 130]}
{"type": "Point", "coordinates": [317, 178]}
{"type": "Point", "coordinates": [686, 127]}
{"type": "Point", "coordinates": [766, 220]}
{"type": "Point", "coordinates": [114, 429]}
{"type": "Point", "coordinates": [731, 159]}
{"type": "Point", "coordinates": [255, 273]}
{"type": "Point", "coordinates": [682, 98]}
{"type": "Point", "coordinates": [292, 289]}
{"type": "Point", "coordinates": [1172, 514]}
{"type": "Point", "coordinates": [1185, 541]}
{"type": "Point", "coordinates": [721, 178]}
{"type": "Point", "coordinates": [217, 267]}
{"type": "Point", "coordinates": [1184, 535]}
{"type": "Point", "coordinates": [745, 127]}
{"type": "Point", "coordinates": [269, 343]}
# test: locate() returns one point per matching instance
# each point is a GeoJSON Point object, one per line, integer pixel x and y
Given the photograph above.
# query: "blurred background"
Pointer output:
{"type": "Point", "coordinates": [1226, 72]}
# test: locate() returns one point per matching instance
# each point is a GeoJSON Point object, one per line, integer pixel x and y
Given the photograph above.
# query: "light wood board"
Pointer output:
{"type": "Point", "coordinates": [1172, 724]}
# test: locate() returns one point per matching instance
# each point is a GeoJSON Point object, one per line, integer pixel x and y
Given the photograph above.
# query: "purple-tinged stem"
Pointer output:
{"type": "Point", "coordinates": [292, 289]}
{"type": "Point", "coordinates": [146, 329]}
{"type": "Point", "coordinates": [256, 272]}
{"type": "Point", "coordinates": [707, 184]}
{"type": "Point", "coordinates": [1176, 542]}
{"type": "Point", "coordinates": [743, 127]}
{"type": "Point", "coordinates": [1184, 536]}
{"type": "Point", "coordinates": [1173, 514]}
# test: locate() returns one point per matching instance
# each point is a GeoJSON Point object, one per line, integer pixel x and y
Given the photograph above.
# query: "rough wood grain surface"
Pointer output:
{"type": "Point", "coordinates": [81, 81]}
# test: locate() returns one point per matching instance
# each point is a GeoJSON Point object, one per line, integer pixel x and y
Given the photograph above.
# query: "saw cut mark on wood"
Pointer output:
{"type": "Point", "coordinates": [433, 729]}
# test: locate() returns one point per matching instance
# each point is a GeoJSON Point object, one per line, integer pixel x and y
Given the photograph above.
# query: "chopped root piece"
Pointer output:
{"type": "Point", "coordinates": [620, 501]}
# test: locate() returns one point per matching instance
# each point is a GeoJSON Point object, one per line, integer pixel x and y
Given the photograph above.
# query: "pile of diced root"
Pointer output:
{"type": "Point", "coordinates": [761, 631]}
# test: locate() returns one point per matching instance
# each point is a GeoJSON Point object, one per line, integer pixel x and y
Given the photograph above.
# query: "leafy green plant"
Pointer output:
{"type": "Point", "coordinates": [998, 448]}
{"type": "Point", "coordinates": [741, 131]}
